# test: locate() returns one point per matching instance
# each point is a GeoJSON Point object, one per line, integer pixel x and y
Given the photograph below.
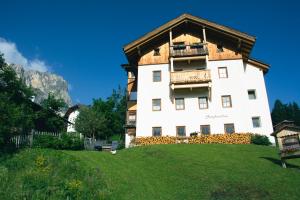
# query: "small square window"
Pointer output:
{"type": "Point", "coordinates": [220, 48]}
{"type": "Point", "coordinates": [229, 128]}
{"type": "Point", "coordinates": [156, 104]}
{"type": "Point", "coordinates": [180, 131]}
{"type": "Point", "coordinates": [131, 117]}
{"type": "Point", "coordinates": [226, 101]}
{"type": "Point", "coordinates": [156, 131]}
{"type": "Point", "coordinates": [156, 52]}
{"type": "Point", "coordinates": [203, 104]}
{"type": "Point", "coordinates": [256, 122]}
{"type": "Point", "coordinates": [205, 129]}
{"type": "Point", "coordinates": [223, 72]}
{"type": "Point", "coordinates": [251, 94]}
{"type": "Point", "coordinates": [156, 76]}
{"type": "Point", "coordinates": [179, 103]}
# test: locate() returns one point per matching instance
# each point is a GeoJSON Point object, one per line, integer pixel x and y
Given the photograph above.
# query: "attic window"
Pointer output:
{"type": "Point", "coordinates": [220, 48]}
{"type": "Point", "coordinates": [156, 52]}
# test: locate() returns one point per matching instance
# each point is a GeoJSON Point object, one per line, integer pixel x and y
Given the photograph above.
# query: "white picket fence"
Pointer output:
{"type": "Point", "coordinates": [26, 140]}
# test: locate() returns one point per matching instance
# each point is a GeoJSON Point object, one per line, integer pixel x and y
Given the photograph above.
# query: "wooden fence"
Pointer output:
{"type": "Point", "coordinates": [26, 140]}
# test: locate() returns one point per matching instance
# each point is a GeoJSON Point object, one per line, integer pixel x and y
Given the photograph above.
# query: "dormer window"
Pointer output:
{"type": "Point", "coordinates": [220, 48]}
{"type": "Point", "coordinates": [156, 52]}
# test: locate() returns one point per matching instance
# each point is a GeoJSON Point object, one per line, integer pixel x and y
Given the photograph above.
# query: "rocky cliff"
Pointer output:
{"type": "Point", "coordinates": [44, 83]}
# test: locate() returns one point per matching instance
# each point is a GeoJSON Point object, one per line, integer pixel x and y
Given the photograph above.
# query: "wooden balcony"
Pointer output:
{"type": "Point", "coordinates": [190, 77]}
{"type": "Point", "coordinates": [199, 49]}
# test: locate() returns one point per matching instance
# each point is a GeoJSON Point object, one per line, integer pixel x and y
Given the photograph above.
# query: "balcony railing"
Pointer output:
{"type": "Point", "coordinates": [131, 122]}
{"type": "Point", "coordinates": [182, 50]}
{"type": "Point", "coordinates": [194, 76]}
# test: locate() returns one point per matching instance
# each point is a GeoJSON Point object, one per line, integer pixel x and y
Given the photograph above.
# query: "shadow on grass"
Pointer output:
{"type": "Point", "coordinates": [239, 191]}
{"type": "Point", "coordinates": [278, 162]}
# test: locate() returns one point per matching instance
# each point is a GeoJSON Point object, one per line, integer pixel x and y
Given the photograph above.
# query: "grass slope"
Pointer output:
{"type": "Point", "coordinates": [183, 172]}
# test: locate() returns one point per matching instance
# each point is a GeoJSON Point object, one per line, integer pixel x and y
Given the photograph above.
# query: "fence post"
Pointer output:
{"type": "Point", "coordinates": [31, 138]}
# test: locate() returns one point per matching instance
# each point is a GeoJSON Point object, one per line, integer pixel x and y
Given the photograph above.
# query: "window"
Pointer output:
{"type": "Point", "coordinates": [156, 104]}
{"type": "Point", "coordinates": [156, 131]}
{"type": "Point", "coordinates": [131, 118]}
{"type": "Point", "coordinates": [180, 130]}
{"type": "Point", "coordinates": [205, 129]}
{"type": "Point", "coordinates": [203, 104]}
{"type": "Point", "coordinates": [156, 52]}
{"type": "Point", "coordinates": [251, 94]}
{"type": "Point", "coordinates": [226, 101]}
{"type": "Point", "coordinates": [156, 76]}
{"type": "Point", "coordinates": [256, 122]}
{"type": "Point", "coordinates": [220, 48]}
{"type": "Point", "coordinates": [229, 128]}
{"type": "Point", "coordinates": [223, 72]}
{"type": "Point", "coordinates": [179, 103]}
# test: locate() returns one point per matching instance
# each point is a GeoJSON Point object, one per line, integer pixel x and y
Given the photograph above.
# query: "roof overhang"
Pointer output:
{"type": "Point", "coordinates": [242, 40]}
{"type": "Point", "coordinates": [257, 63]}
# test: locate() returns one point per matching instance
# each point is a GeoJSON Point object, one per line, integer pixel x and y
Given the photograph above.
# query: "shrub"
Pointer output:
{"type": "Point", "coordinates": [65, 141]}
{"type": "Point", "coordinates": [260, 140]}
{"type": "Point", "coordinates": [45, 141]}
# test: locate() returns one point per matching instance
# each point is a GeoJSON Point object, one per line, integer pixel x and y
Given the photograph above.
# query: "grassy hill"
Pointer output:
{"type": "Point", "coordinates": [153, 172]}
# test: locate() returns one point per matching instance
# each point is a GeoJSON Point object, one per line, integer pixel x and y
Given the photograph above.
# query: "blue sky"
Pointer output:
{"type": "Point", "coordinates": [82, 40]}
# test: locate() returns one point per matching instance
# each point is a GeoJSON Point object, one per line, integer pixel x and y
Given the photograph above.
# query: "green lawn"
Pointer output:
{"type": "Point", "coordinates": [177, 172]}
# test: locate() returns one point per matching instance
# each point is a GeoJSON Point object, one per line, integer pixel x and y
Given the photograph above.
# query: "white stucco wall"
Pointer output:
{"type": "Point", "coordinates": [240, 78]}
{"type": "Point", "coordinates": [72, 118]}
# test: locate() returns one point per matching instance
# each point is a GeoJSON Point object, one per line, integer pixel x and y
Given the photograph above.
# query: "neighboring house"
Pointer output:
{"type": "Point", "coordinates": [71, 115]}
{"type": "Point", "coordinates": [191, 75]}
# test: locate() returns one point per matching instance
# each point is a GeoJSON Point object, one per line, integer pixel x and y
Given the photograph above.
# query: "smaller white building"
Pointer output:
{"type": "Point", "coordinates": [71, 115]}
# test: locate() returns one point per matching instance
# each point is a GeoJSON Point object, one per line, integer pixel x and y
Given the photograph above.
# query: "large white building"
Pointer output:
{"type": "Point", "coordinates": [193, 75]}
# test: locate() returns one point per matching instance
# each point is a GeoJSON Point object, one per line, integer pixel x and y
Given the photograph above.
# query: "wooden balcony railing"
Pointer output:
{"type": "Point", "coordinates": [199, 49]}
{"type": "Point", "coordinates": [194, 76]}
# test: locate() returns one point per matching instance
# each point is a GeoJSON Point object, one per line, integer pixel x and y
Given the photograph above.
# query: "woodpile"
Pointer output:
{"type": "Point", "coordinates": [236, 138]}
{"type": "Point", "coordinates": [155, 140]}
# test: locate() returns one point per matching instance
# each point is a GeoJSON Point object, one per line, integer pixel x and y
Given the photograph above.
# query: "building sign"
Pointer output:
{"type": "Point", "coordinates": [215, 116]}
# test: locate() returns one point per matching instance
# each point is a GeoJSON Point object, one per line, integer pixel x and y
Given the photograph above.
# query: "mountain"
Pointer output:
{"type": "Point", "coordinates": [44, 83]}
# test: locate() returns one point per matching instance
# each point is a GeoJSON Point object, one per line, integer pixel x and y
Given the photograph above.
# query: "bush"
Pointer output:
{"type": "Point", "coordinates": [260, 140]}
{"type": "Point", "coordinates": [65, 142]}
{"type": "Point", "coordinates": [45, 141]}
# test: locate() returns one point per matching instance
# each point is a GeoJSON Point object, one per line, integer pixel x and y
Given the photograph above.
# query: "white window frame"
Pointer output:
{"type": "Point", "coordinates": [223, 74]}
{"type": "Point", "coordinates": [259, 122]}
{"type": "Point", "coordinates": [179, 106]}
{"type": "Point", "coordinates": [154, 76]}
{"type": "Point", "coordinates": [201, 104]}
{"type": "Point", "coordinates": [156, 107]}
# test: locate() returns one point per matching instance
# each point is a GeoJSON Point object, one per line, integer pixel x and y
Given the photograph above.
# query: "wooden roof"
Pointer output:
{"type": "Point", "coordinates": [285, 125]}
{"type": "Point", "coordinates": [244, 41]}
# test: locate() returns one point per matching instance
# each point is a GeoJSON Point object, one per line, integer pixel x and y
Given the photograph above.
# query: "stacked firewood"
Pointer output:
{"type": "Point", "coordinates": [236, 138]}
{"type": "Point", "coordinates": [155, 140]}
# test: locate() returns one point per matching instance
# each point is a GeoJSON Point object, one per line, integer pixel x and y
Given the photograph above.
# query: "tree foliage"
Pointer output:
{"type": "Point", "coordinates": [48, 118]}
{"type": "Point", "coordinates": [290, 111]}
{"type": "Point", "coordinates": [16, 113]}
{"type": "Point", "coordinates": [103, 118]}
